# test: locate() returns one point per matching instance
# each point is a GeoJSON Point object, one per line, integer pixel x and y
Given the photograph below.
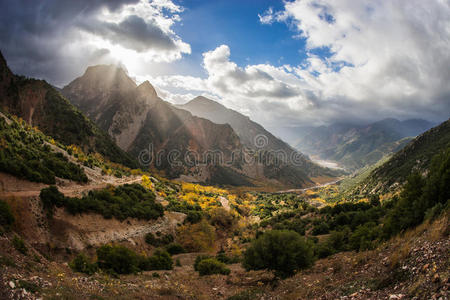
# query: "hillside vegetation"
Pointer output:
{"type": "Point", "coordinates": [26, 153]}
{"type": "Point", "coordinates": [415, 157]}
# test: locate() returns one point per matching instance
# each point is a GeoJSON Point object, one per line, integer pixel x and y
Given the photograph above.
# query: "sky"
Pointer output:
{"type": "Point", "coordinates": [283, 63]}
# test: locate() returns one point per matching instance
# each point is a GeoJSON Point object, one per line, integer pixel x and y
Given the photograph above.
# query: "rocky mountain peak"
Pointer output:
{"type": "Point", "coordinates": [107, 77]}
{"type": "Point", "coordinates": [146, 88]}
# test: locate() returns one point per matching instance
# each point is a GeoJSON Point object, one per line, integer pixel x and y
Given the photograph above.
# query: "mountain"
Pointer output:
{"type": "Point", "coordinates": [141, 122]}
{"type": "Point", "coordinates": [41, 105]}
{"type": "Point", "coordinates": [252, 134]}
{"type": "Point", "coordinates": [356, 146]}
{"type": "Point", "coordinates": [246, 129]}
{"type": "Point", "coordinates": [152, 129]}
{"type": "Point", "coordinates": [414, 157]}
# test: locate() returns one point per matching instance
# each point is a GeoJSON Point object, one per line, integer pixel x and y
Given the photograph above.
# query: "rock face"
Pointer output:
{"type": "Point", "coordinates": [39, 104]}
{"type": "Point", "coordinates": [142, 123]}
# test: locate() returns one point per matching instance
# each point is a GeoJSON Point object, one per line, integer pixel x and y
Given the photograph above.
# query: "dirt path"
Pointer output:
{"type": "Point", "coordinates": [310, 188]}
{"type": "Point", "coordinates": [72, 191]}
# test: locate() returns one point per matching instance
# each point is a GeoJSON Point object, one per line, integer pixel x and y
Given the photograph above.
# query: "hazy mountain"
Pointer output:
{"type": "Point", "coordinates": [136, 118]}
{"type": "Point", "coordinates": [41, 105]}
{"type": "Point", "coordinates": [355, 146]}
{"type": "Point", "coordinates": [246, 129]}
{"type": "Point", "coordinates": [252, 134]}
{"type": "Point", "coordinates": [414, 157]}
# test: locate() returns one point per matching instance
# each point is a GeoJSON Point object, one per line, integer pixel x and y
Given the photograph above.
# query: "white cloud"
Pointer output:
{"type": "Point", "coordinates": [388, 59]}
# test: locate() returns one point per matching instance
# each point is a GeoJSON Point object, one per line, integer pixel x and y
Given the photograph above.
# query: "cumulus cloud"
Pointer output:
{"type": "Point", "coordinates": [58, 39]}
{"type": "Point", "coordinates": [384, 59]}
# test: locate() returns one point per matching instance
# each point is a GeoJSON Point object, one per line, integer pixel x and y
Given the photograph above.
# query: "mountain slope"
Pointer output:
{"type": "Point", "coordinates": [39, 104]}
{"type": "Point", "coordinates": [246, 129]}
{"type": "Point", "coordinates": [414, 157]}
{"type": "Point", "coordinates": [252, 135]}
{"type": "Point", "coordinates": [153, 130]}
{"type": "Point", "coordinates": [356, 146]}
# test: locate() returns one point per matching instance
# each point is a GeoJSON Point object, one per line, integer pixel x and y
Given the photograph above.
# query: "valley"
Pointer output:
{"type": "Point", "coordinates": [229, 150]}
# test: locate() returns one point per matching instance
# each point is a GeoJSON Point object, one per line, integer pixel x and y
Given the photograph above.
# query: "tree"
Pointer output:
{"type": "Point", "coordinates": [282, 251]}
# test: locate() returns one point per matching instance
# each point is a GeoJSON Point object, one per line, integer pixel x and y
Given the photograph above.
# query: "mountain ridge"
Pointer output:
{"type": "Point", "coordinates": [39, 104]}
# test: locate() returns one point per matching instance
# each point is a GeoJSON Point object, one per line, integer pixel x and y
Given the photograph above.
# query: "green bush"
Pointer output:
{"type": "Point", "coordinates": [364, 237]}
{"type": "Point", "coordinates": [158, 241]}
{"type": "Point", "coordinates": [211, 266]}
{"type": "Point", "coordinates": [51, 197]}
{"type": "Point", "coordinates": [82, 264]}
{"type": "Point", "coordinates": [117, 259]}
{"type": "Point", "coordinates": [199, 258]}
{"type": "Point", "coordinates": [222, 257]}
{"type": "Point", "coordinates": [129, 200]}
{"type": "Point", "coordinates": [175, 248]}
{"type": "Point", "coordinates": [324, 249]}
{"type": "Point", "coordinates": [19, 244]}
{"type": "Point", "coordinates": [284, 252]}
{"type": "Point", "coordinates": [6, 216]}
{"type": "Point", "coordinates": [322, 228]}
{"type": "Point", "coordinates": [160, 260]}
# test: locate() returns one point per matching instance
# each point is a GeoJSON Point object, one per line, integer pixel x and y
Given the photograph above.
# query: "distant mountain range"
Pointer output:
{"type": "Point", "coordinates": [356, 146]}
{"type": "Point", "coordinates": [136, 118]}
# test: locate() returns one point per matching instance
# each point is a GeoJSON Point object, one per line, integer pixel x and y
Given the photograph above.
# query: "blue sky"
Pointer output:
{"type": "Point", "coordinates": [206, 25]}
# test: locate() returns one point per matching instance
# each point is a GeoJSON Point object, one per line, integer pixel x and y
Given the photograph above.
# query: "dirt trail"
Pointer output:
{"type": "Point", "coordinates": [309, 188]}
{"type": "Point", "coordinates": [71, 191]}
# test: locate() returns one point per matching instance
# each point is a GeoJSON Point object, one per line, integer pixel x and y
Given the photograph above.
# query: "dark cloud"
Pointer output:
{"type": "Point", "coordinates": [133, 33]}
{"type": "Point", "coordinates": [44, 39]}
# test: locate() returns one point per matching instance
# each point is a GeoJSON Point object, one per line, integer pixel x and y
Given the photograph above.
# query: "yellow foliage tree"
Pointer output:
{"type": "Point", "coordinates": [146, 182]}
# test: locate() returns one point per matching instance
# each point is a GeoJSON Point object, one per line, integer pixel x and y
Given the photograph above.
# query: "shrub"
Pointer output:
{"type": "Point", "coordinates": [199, 258]}
{"type": "Point", "coordinates": [158, 241]}
{"type": "Point", "coordinates": [117, 259]}
{"type": "Point", "coordinates": [51, 197]}
{"type": "Point", "coordinates": [193, 216]}
{"type": "Point", "coordinates": [222, 257]}
{"type": "Point", "coordinates": [82, 264]}
{"type": "Point", "coordinates": [175, 248]}
{"type": "Point", "coordinates": [160, 260]}
{"type": "Point", "coordinates": [197, 237]}
{"type": "Point", "coordinates": [19, 244]}
{"type": "Point", "coordinates": [321, 228]}
{"type": "Point", "coordinates": [363, 238]}
{"type": "Point", "coordinates": [221, 217]}
{"type": "Point", "coordinates": [211, 266]}
{"type": "Point", "coordinates": [324, 249]}
{"type": "Point", "coordinates": [284, 252]}
{"type": "Point", "coordinates": [6, 216]}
